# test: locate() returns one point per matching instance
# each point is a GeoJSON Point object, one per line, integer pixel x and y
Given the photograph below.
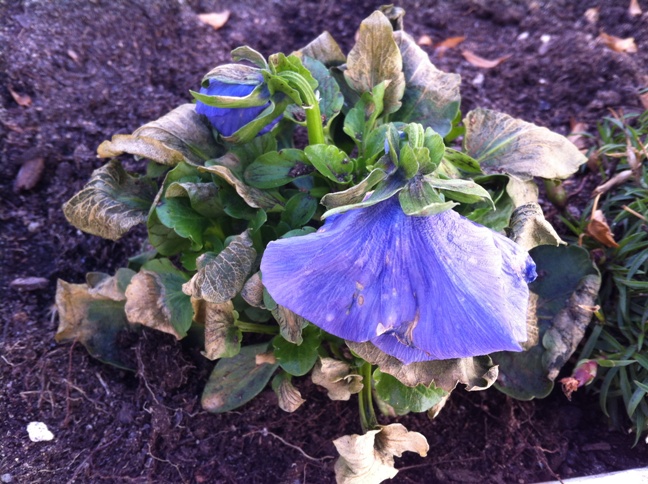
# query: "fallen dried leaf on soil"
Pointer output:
{"type": "Point", "coordinates": [618, 44]}
{"type": "Point", "coordinates": [449, 43]}
{"type": "Point", "coordinates": [22, 99]}
{"type": "Point", "coordinates": [215, 19]}
{"type": "Point", "coordinates": [577, 129]}
{"type": "Point", "coordinates": [477, 61]}
{"type": "Point", "coordinates": [644, 99]}
{"type": "Point", "coordinates": [634, 9]}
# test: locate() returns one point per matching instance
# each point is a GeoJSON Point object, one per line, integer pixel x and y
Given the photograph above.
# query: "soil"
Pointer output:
{"type": "Point", "coordinates": [75, 72]}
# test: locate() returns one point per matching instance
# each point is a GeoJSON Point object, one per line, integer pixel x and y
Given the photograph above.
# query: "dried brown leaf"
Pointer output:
{"type": "Point", "coordinates": [337, 378]}
{"type": "Point", "coordinates": [599, 229]}
{"type": "Point", "coordinates": [369, 458]}
{"type": "Point", "coordinates": [450, 43]}
{"type": "Point", "coordinates": [617, 179]}
{"type": "Point", "coordinates": [29, 174]}
{"type": "Point", "coordinates": [21, 99]}
{"type": "Point", "coordinates": [215, 19]}
{"type": "Point", "coordinates": [618, 44]}
{"type": "Point", "coordinates": [634, 9]}
{"type": "Point", "coordinates": [592, 15]}
{"type": "Point", "coordinates": [576, 133]}
{"type": "Point", "coordinates": [644, 100]}
{"type": "Point", "coordinates": [477, 61]}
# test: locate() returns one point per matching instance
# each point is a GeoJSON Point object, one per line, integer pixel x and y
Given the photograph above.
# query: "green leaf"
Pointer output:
{"type": "Point", "coordinates": [94, 316]}
{"type": "Point", "coordinates": [226, 168]}
{"type": "Point", "coordinates": [502, 144]}
{"type": "Point", "coordinates": [331, 162]}
{"type": "Point", "coordinates": [298, 359]}
{"type": "Point", "coordinates": [431, 96]}
{"type": "Point", "coordinates": [222, 336]}
{"type": "Point", "coordinates": [249, 54]}
{"type": "Point", "coordinates": [362, 117]}
{"type": "Point", "coordinates": [404, 399]}
{"type": "Point", "coordinates": [180, 135]}
{"type": "Point", "coordinates": [111, 202]}
{"type": "Point", "coordinates": [355, 193]}
{"type": "Point", "coordinates": [331, 99]}
{"type": "Point", "coordinates": [235, 381]}
{"type": "Point", "coordinates": [384, 190]}
{"type": "Point", "coordinates": [562, 298]}
{"type": "Point", "coordinates": [173, 226]}
{"type": "Point", "coordinates": [275, 169]}
{"type": "Point", "coordinates": [324, 49]}
{"type": "Point", "coordinates": [421, 199]}
{"type": "Point", "coordinates": [221, 277]}
{"type": "Point", "coordinates": [249, 131]}
{"type": "Point", "coordinates": [299, 210]}
{"type": "Point", "coordinates": [466, 191]}
{"type": "Point", "coordinates": [154, 298]}
{"type": "Point", "coordinates": [476, 373]}
{"type": "Point", "coordinates": [203, 197]}
{"type": "Point", "coordinates": [462, 161]}
{"type": "Point", "coordinates": [375, 58]}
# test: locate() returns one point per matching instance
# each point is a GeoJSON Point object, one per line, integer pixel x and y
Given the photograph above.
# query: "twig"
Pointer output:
{"type": "Point", "coordinates": [633, 212]}
{"type": "Point", "coordinates": [266, 432]}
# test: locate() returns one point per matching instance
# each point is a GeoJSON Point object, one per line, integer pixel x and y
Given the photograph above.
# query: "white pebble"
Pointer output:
{"type": "Point", "coordinates": [38, 432]}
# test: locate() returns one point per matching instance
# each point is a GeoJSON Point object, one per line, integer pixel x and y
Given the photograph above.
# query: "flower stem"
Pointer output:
{"type": "Point", "coordinates": [256, 328]}
{"type": "Point", "coordinates": [310, 105]}
{"type": "Point", "coordinates": [368, 419]}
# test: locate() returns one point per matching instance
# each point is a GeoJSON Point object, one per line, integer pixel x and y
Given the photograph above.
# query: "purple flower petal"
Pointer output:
{"type": "Point", "coordinates": [419, 288]}
{"type": "Point", "coordinates": [228, 121]}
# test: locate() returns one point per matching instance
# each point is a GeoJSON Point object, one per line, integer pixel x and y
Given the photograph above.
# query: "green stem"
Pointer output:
{"type": "Point", "coordinates": [311, 106]}
{"type": "Point", "coordinates": [368, 419]}
{"type": "Point", "coordinates": [256, 328]}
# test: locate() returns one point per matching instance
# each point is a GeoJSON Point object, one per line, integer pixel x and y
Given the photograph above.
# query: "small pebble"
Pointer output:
{"type": "Point", "coordinates": [478, 80]}
{"type": "Point", "coordinates": [523, 36]}
{"type": "Point", "coordinates": [38, 432]}
{"type": "Point", "coordinates": [6, 478]}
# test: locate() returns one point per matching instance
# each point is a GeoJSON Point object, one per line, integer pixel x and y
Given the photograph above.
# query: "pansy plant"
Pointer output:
{"type": "Point", "coordinates": [380, 256]}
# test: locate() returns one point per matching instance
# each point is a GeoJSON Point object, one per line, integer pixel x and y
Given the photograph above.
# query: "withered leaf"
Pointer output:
{"type": "Point", "coordinates": [478, 61]}
{"type": "Point", "coordinates": [29, 174]}
{"type": "Point", "coordinates": [222, 336]}
{"type": "Point", "coordinates": [215, 19]}
{"type": "Point", "coordinates": [599, 229]}
{"type": "Point", "coordinates": [336, 376]}
{"type": "Point", "coordinates": [369, 458]}
{"type": "Point", "coordinates": [288, 396]}
{"type": "Point", "coordinates": [220, 278]}
{"type": "Point", "coordinates": [618, 44]}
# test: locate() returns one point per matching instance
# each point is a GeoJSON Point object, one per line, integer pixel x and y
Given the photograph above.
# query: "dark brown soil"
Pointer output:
{"type": "Point", "coordinates": [91, 69]}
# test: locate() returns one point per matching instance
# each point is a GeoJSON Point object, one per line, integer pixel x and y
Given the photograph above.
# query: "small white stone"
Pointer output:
{"type": "Point", "coordinates": [545, 38]}
{"type": "Point", "coordinates": [6, 478]}
{"type": "Point", "coordinates": [38, 432]}
{"type": "Point", "coordinates": [478, 80]}
{"type": "Point", "coordinates": [523, 36]}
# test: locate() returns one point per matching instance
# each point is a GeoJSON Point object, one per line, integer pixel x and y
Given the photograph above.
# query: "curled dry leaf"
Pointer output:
{"type": "Point", "coordinates": [21, 99]}
{"type": "Point", "coordinates": [530, 229]}
{"type": "Point", "coordinates": [618, 44]}
{"type": "Point", "coordinates": [618, 179]}
{"type": "Point", "coordinates": [634, 9]}
{"type": "Point", "coordinates": [478, 61]}
{"type": "Point", "coordinates": [215, 19]}
{"type": "Point", "coordinates": [336, 377]}
{"type": "Point", "coordinates": [449, 43]}
{"type": "Point", "coordinates": [222, 336]}
{"type": "Point", "coordinates": [288, 396]}
{"type": "Point", "coordinates": [369, 458]}
{"type": "Point", "coordinates": [599, 229]}
{"type": "Point", "coordinates": [577, 129]}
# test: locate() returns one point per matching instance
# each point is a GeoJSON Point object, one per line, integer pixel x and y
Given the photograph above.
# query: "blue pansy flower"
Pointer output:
{"type": "Point", "coordinates": [419, 288]}
{"type": "Point", "coordinates": [228, 121]}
